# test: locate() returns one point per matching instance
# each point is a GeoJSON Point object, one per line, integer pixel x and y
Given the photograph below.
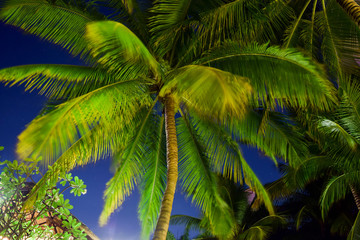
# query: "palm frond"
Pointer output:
{"type": "Point", "coordinates": [99, 142]}
{"type": "Point", "coordinates": [130, 168]}
{"type": "Point", "coordinates": [120, 185]}
{"type": "Point", "coordinates": [336, 189]}
{"type": "Point", "coordinates": [340, 39]}
{"type": "Point", "coordinates": [199, 182]}
{"type": "Point", "coordinates": [61, 22]}
{"type": "Point", "coordinates": [309, 170]}
{"type": "Point", "coordinates": [57, 81]}
{"type": "Point", "coordinates": [255, 185]}
{"type": "Point", "coordinates": [279, 76]}
{"type": "Point", "coordinates": [300, 216]}
{"type": "Point", "coordinates": [290, 32]}
{"type": "Point", "coordinates": [220, 149]}
{"type": "Point", "coordinates": [226, 158]}
{"type": "Point", "coordinates": [279, 136]}
{"type": "Point", "coordinates": [191, 223]}
{"type": "Point", "coordinates": [154, 180]}
{"type": "Point", "coordinates": [54, 133]}
{"type": "Point", "coordinates": [170, 236]}
{"type": "Point", "coordinates": [275, 221]}
{"type": "Point", "coordinates": [113, 45]}
{"type": "Point", "coordinates": [242, 20]}
{"type": "Point", "coordinates": [256, 232]}
{"type": "Point", "coordinates": [131, 13]}
{"type": "Point", "coordinates": [332, 130]}
{"type": "Point", "coordinates": [354, 233]}
{"type": "Point", "coordinates": [348, 112]}
{"type": "Point", "coordinates": [209, 91]}
{"type": "Point", "coordinates": [168, 15]}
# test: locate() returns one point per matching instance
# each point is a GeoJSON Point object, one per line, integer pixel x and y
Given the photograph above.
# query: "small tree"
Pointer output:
{"type": "Point", "coordinates": [49, 218]}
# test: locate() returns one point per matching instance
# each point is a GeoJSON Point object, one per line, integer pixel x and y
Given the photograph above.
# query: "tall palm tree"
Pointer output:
{"type": "Point", "coordinates": [156, 70]}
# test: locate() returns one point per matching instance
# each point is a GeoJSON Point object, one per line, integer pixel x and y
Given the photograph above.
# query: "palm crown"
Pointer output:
{"type": "Point", "coordinates": [148, 61]}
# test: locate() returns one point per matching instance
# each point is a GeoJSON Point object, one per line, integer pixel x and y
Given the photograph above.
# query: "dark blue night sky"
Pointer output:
{"type": "Point", "coordinates": [17, 108]}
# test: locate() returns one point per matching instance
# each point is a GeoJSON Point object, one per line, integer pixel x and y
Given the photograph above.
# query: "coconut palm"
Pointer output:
{"type": "Point", "coordinates": [155, 71]}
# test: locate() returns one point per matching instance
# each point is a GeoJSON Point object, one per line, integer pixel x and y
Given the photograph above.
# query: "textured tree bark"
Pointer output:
{"type": "Point", "coordinates": [352, 9]}
{"type": "Point", "coordinates": [172, 171]}
{"type": "Point", "coordinates": [356, 197]}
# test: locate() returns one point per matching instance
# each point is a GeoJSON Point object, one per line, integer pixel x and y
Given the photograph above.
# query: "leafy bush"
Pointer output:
{"type": "Point", "coordinates": [49, 218]}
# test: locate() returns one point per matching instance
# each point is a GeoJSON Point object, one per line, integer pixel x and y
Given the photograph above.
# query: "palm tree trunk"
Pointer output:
{"type": "Point", "coordinates": [172, 170]}
{"type": "Point", "coordinates": [352, 9]}
{"type": "Point", "coordinates": [356, 197]}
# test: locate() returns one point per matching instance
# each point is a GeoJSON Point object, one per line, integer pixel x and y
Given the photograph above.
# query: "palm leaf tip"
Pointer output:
{"type": "Point", "coordinates": [114, 45]}
{"type": "Point", "coordinates": [210, 91]}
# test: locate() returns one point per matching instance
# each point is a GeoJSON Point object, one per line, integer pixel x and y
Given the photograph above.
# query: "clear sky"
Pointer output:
{"type": "Point", "coordinates": [17, 108]}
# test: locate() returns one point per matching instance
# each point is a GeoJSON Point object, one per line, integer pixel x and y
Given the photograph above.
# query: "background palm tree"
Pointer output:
{"type": "Point", "coordinates": [332, 163]}
{"type": "Point", "coordinates": [248, 224]}
{"type": "Point", "coordinates": [194, 59]}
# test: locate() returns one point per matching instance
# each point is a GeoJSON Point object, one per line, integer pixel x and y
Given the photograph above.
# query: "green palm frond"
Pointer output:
{"type": "Point", "coordinates": [291, 32]}
{"type": "Point", "coordinates": [99, 142]}
{"type": "Point", "coordinates": [130, 168]}
{"type": "Point", "coordinates": [220, 149]}
{"type": "Point", "coordinates": [279, 76]}
{"type": "Point", "coordinates": [52, 134]}
{"type": "Point", "coordinates": [332, 130]}
{"type": "Point", "coordinates": [61, 21]}
{"type": "Point", "coordinates": [342, 224]}
{"type": "Point", "coordinates": [278, 190]}
{"type": "Point", "coordinates": [209, 91]}
{"type": "Point", "coordinates": [354, 233]}
{"type": "Point", "coordinates": [154, 179]}
{"type": "Point", "coordinates": [310, 35]}
{"type": "Point", "coordinates": [226, 158]}
{"type": "Point", "coordinates": [310, 169]}
{"type": "Point", "coordinates": [168, 14]}
{"type": "Point", "coordinates": [349, 111]}
{"type": "Point", "coordinates": [300, 216]}
{"type": "Point", "coordinates": [199, 182]}
{"type": "Point", "coordinates": [120, 185]}
{"type": "Point", "coordinates": [170, 236]}
{"type": "Point", "coordinates": [130, 13]}
{"type": "Point", "coordinates": [175, 23]}
{"type": "Point", "coordinates": [255, 185]}
{"type": "Point", "coordinates": [57, 81]}
{"type": "Point", "coordinates": [336, 189]}
{"type": "Point", "coordinates": [274, 221]}
{"type": "Point", "coordinates": [256, 233]}
{"type": "Point", "coordinates": [242, 20]}
{"type": "Point", "coordinates": [278, 136]}
{"type": "Point", "coordinates": [113, 45]}
{"type": "Point", "coordinates": [340, 39]}
{"type": "Point", "coordinates": [229, 19]}
{"type": "Point", "coordinates": [191, 223]}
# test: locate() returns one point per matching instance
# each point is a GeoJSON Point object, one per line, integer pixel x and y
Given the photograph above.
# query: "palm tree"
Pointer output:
{"type": "Point", "coordinates": [300, 206]}
{"type": "Point", "coordinates": [155, 71]}
{"type": "Point", "coordinates": [248, 224]}
{"type": "Point", "coordinates": [335, 136]}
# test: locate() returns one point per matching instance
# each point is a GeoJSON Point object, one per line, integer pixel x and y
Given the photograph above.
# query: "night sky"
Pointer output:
{"type": "Point", "coordinates": [18, 108]}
